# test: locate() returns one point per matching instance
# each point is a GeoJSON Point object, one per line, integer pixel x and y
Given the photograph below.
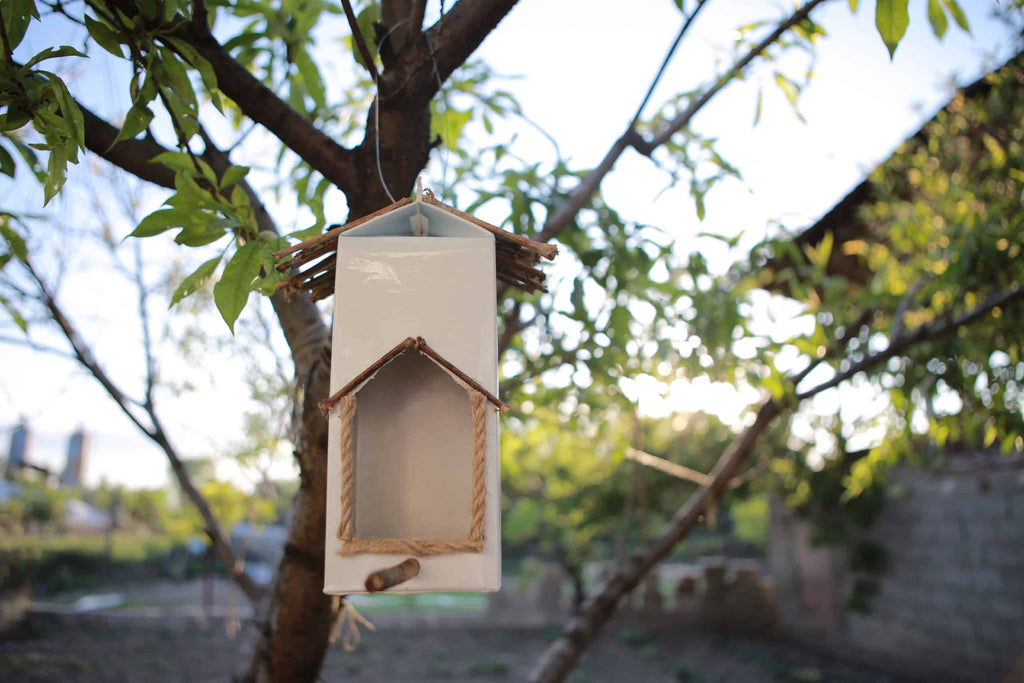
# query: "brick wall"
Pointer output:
{"type": "Point", "coordinates": [951, 603]}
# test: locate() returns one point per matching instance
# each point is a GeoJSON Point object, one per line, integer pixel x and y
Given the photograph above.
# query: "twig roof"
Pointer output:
{"type": "Point", "coordinates": [420, 345]}
{"type": "Point", "coordinates": [313, 261]}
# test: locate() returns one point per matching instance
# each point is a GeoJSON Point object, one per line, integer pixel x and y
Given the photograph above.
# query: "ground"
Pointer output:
{"type": "Point", "coordinates": [142, 643]}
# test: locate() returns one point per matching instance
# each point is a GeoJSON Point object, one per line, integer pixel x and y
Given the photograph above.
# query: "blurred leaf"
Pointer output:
{"type": "Point", "coordinates": [365, 20]}
{"type": "Point", "coordinates": [6, 162]}
{"type": "Point", "coordinates": [958, 14]}
{"type": "Point", "coordinates": [937, 18]}
{"type": "Point", "coordinates": [15, 242]}
{"type": "Point", "coordinates": [311, 77]}
{"type": "Point", "coordinates": [891, 20]}
{"type": "Point", "coordinates": [233, 175]}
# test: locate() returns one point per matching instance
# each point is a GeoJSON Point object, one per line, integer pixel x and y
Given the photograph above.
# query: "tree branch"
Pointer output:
{"type": "Point", "coordinates": [35, 346]}
{"type": "Point", "coordinates": [83, 354]}
{"type": "Point", "coordinates": [454, 38]}
{"type": "Point", "coordinates": [684, 117]}
{"type": "Point", "coordinates": [357, 38]}
{"type": "Point", "coordinates": [563, 216]}
{"type": "Point", "coordinates": [664, 62]}
{"type": "Point", "coordinates": [556, 662]}
{"type": "Point", "coordinates": [419, 9]}
{"type": "Point", "coordinates": [560, 657]}
{"type": "Point", "coordinates": [131, 155]}
{"type": "Point", "coordinates": [298, 619]}
{"type": "Point", "coordinates": [923, 333]}
{"type": "Point", "coordinates": [261, 105]}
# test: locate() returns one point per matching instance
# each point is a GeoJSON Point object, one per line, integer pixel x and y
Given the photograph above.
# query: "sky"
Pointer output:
{"type": "Point", "coordinates": [582, 70]}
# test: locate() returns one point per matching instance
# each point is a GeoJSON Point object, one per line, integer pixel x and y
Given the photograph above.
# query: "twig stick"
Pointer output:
{"type": "Point", "coordinates": [384, 579]}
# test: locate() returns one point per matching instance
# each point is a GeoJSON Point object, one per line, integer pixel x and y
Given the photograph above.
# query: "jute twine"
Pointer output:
{"type": "Point", "coordinates": [472, 543]}
{"type": "Point", "coordinates": [348, 467]}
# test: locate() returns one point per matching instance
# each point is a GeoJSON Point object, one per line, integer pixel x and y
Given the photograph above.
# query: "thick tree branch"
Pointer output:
{"type": "Point", "coordinates": [261, 105]}
{"type": "Point", "coordinates": [560, 657]}
{"type": "Point", "coordinates": [453, 38]}
{"type": "Point", "coordinates": [131, 155]}
{"type": "Point", "coordinates": [563, 215]}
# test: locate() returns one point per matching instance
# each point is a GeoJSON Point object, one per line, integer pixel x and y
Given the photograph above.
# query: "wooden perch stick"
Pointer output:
{"type": "Point", "coordinates": [683, 472]}
{"type": "Point", "coordinates": [384, 579]}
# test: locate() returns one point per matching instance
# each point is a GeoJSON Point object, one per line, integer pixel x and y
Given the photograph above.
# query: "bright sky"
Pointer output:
{"type": "Point", "coordinates": [585, 68]}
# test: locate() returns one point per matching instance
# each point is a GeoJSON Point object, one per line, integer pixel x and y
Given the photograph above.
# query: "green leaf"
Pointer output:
{"type": "Point", "coordinates": [161, 221]}
{"type": "Point", "coordinates": [311, 77]}
{"type": "Point", "coordinates": [178, 86]}
{"type": "Point", "coordinates": [233, 175]}
{"type": "Point", "coordinates": [200, 64]}
{"type": "Point", "coordinates": [937, 18]}
{"type": "Point", "coordinates": [13, 119]}
{"type": "Point", "coordinates": [267, 284]}
{"type": "Point", "coordinates": [232, 290]}
{"type": "Point", "coordinates": [16, 15]}
{"type": "Point", "coordinates": [53, 53]}
{"type": "Point", "coordinates": [179, 161]}
{"type": "Point", "coordinates": [618, 322]}
{"type": "Point", "coordinates": [958, 14]}
{"type": "Point", "coordinates": [18, 319]}
{"type": "Point", "coordinates": [207, 232]}
{"type": "Point", "coordinates": [104, 36]}
{"type": "Point", "coordinates": [791, 90]}
{"type": "Point", "coordinates": [892, 19]}
{"type": "Point", "coordinates": [195, 280]}
{"type": "Point", "coordinates": [14, 241]}
{"type": "Point", "coordinates": [136, 120]}
{"type": "Point", "coordinates": [757, 107]}
{"type": "Point", "coordinates": [70, 110]}
{"type": "Point", "coordinates": [6, 163]}
{"type": "Point", "coordinates": [56, 173]}
{"type": "Point", "coordinates": [365, 21]}
{"type": "Point", "coordinates": [577, 298]}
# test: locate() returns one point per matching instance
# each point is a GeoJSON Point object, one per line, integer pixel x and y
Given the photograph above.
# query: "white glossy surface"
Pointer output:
{"type": "Point", "coordinates": [441, 288]}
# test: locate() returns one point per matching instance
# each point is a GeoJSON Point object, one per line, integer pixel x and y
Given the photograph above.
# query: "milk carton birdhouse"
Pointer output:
{"type": "Point", "coordinates": [413, 480]}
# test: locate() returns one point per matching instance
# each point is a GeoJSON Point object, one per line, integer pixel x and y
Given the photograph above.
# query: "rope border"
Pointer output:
{"type": "Point", "coordinates": [472, 543]}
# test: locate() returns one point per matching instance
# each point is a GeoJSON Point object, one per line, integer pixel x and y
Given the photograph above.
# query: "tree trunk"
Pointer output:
{"type": "Point", "coordinates": [296, 625]}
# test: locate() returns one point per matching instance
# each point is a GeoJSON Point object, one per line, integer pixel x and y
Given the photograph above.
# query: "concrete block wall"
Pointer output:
{"type": "Point", "coordinates": [951, 603]}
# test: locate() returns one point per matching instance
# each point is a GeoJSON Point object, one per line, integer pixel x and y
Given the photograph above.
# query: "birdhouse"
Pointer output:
{"type": "Point", "coordinates": [413, 480]}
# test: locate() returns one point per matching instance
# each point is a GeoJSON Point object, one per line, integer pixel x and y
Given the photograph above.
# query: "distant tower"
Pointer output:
{"type": "Point", "coordinates": [18, 450]}
{"type": "Point", "coordinates": [78, 446]}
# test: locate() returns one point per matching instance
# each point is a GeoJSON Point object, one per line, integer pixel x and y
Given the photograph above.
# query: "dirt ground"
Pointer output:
{"type": "Point", "coordinates": [105, 648]}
